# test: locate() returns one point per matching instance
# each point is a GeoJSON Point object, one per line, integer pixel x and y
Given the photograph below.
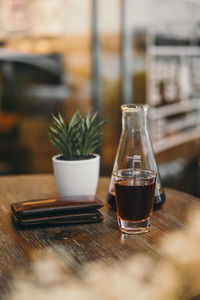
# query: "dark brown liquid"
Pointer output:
{"type": "Point", "coordinates": [134, 202]}
{"type": "Point", "coordinates": [159, 200]}
{"type": "Point", "coordinates": [111, 200]}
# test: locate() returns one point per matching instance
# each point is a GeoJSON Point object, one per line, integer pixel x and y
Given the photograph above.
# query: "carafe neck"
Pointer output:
{"type": "Point", "coordinates": [134, 117]}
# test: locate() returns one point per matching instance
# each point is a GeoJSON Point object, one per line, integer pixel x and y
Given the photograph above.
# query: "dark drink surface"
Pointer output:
{"type": "Point", "coordinates": [159, 200]}
{"type": "Point", "coordinates": [134, 202]}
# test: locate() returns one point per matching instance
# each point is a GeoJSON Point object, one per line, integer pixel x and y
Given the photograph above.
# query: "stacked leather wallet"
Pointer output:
{"type": "Point", "coordinates": [55, 211]}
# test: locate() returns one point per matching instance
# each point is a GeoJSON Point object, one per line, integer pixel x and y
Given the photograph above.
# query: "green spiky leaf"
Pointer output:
{"type": "Point", "coordinates": [79, 138]}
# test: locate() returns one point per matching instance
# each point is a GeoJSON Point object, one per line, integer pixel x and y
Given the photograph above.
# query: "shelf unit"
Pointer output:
{"type": "Point", "coordinates": [177, 121]}
{"type": "Point", "coordinates": [174, 50]}
{"type": "Point", "coordinates": [177, 139]}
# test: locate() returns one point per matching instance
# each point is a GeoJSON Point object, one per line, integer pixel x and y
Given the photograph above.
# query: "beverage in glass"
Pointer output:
{"type": "Point", "coordinates": [134, 190]}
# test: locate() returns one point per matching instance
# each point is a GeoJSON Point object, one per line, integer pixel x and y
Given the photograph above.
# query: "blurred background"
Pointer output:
{"type": "Point", "coordinates": [94, 55]}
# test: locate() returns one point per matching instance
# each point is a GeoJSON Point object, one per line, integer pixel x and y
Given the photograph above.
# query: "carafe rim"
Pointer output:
{"type": "Point", "coordinates": [134, 107]}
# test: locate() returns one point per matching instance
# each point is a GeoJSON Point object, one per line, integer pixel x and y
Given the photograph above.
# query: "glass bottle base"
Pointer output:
{"type": "Point", "coordinates": [111, 201]}
{"type": "Point", "coordinates": [158, 201]}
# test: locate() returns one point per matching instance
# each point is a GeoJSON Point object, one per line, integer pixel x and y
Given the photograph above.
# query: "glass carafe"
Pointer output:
{"type": "Point", "coordinates": [135, 149]}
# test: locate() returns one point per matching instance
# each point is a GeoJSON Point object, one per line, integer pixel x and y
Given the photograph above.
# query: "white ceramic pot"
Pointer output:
{"type": "Point", "coordinates": [76, 177]}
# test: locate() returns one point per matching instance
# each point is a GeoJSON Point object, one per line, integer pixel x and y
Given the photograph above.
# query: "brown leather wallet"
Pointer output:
{"type": "Point", "coordinates": [64, 210]}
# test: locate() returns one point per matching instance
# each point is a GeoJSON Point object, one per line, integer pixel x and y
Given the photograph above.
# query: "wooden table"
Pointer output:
{"type": "Point", "coordinates": [85, 243]}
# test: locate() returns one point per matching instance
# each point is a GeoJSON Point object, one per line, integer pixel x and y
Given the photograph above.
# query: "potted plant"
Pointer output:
{"type": "Point", "coordinates": [76, 167]}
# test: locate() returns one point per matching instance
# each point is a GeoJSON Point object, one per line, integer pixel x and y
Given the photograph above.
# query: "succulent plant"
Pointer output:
{"type": "Point", "coordinates": [76, 139]}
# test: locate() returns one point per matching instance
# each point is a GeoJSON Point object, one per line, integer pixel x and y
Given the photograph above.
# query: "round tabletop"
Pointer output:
{"type": "Point", "coordinates": [100, 242]}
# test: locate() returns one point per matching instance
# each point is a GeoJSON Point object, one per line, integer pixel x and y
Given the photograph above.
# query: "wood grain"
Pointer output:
{"type": "Point", "coordinates": [73, 246]}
